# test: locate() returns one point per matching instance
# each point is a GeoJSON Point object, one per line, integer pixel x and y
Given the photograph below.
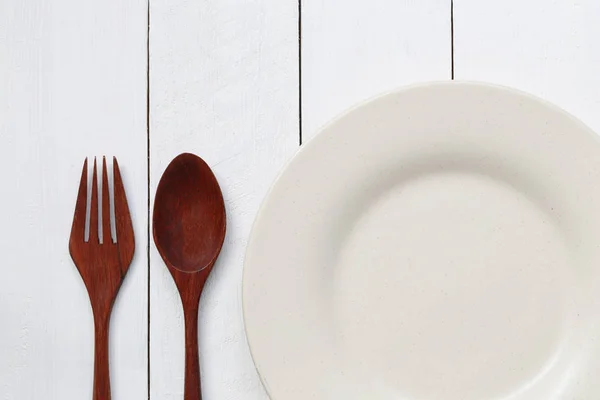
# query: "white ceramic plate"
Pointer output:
{"type": "Point", "coordinates": [441, 243]}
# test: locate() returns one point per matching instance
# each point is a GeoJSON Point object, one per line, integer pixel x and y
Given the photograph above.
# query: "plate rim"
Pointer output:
{"type": "Point", "coordinates": [318, 136]}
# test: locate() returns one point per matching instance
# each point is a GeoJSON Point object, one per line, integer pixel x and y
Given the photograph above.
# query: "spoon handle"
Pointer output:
{"type": "Point", "coordinates": [101, 371]}
{"type": "Point", "coordinates": [192, 389]}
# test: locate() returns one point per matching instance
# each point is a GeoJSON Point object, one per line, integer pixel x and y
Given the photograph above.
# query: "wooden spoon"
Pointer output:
{"type": "Point", "coordinates": [189, 229]}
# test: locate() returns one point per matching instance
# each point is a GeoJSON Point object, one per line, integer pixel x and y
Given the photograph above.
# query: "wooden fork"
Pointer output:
{"type": "Point", "coordinates": [102, 265]}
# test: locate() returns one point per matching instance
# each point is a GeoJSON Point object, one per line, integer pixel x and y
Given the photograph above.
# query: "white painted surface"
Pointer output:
{"type": "Point", "coordinates": [359, 49]}
{"type": "Point", "coordinates": [548, 48]}
{"type": "Point", "coordinates": [224, 85]}
{"type": "Point", "coordinates": [72, 84]}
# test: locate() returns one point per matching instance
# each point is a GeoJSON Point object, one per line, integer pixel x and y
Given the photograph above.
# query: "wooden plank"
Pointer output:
{"type": "Point", "coordinates": [223, 85]}
{"type": "Point", "coordinates": [358, 49]}
{"type": "Point", "coordinates": [548, 48]}
{"type": "Point", "coordinates": [72, 84]}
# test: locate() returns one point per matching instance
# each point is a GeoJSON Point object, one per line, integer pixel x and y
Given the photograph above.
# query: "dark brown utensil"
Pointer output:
{"type": "Point", "coordinates": [189, 229]}
{"type": "Point", "coordinates": [102, 264]}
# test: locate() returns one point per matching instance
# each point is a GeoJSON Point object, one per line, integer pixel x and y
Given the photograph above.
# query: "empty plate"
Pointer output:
{"type": "Point", "coordinates": [441, 242]}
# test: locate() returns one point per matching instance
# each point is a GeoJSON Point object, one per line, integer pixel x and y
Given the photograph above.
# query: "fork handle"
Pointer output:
{"type": "Point", "coordinates": [101, 371]}
{"type": "Point", "coordinates": [192, 390]}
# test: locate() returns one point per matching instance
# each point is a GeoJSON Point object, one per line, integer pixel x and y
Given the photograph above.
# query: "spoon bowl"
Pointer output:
{"type": "Point", "coordinates": [189, 230]}
{"type": "Point", "coordinates": [189, 215]}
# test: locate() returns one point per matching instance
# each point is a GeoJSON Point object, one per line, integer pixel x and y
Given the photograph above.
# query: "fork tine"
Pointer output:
{"type": "Point", "coordinates": [94, 207]}
{"type": "Point", "coordinates": [106, 233]}
{"type": "Point", "coordinates": [122, 217]}
{"type": "Point", "coordinates": [78, 228]}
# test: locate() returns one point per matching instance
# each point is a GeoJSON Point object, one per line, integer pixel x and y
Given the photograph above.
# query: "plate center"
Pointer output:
{"type": "Point", "coordinates": [449, 286]}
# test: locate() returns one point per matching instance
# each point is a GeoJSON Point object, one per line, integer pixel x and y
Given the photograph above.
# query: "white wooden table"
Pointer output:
{"type": "Point", "coordinates": [242, 84]}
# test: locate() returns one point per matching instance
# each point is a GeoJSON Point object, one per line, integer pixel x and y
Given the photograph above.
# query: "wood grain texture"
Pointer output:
{"type": "Point", "coordinates": [102, 260]}
{"type": "Point", "coordinates": [189, 226]}
{"type": "Point", "coordinates": [223, 85]}
{"type": "Point", "coordinates": [354, 51]}
{"type": "Point", "coordinates": [548, 48]}
{"type": "Point", "coordinates": [72, 84]}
